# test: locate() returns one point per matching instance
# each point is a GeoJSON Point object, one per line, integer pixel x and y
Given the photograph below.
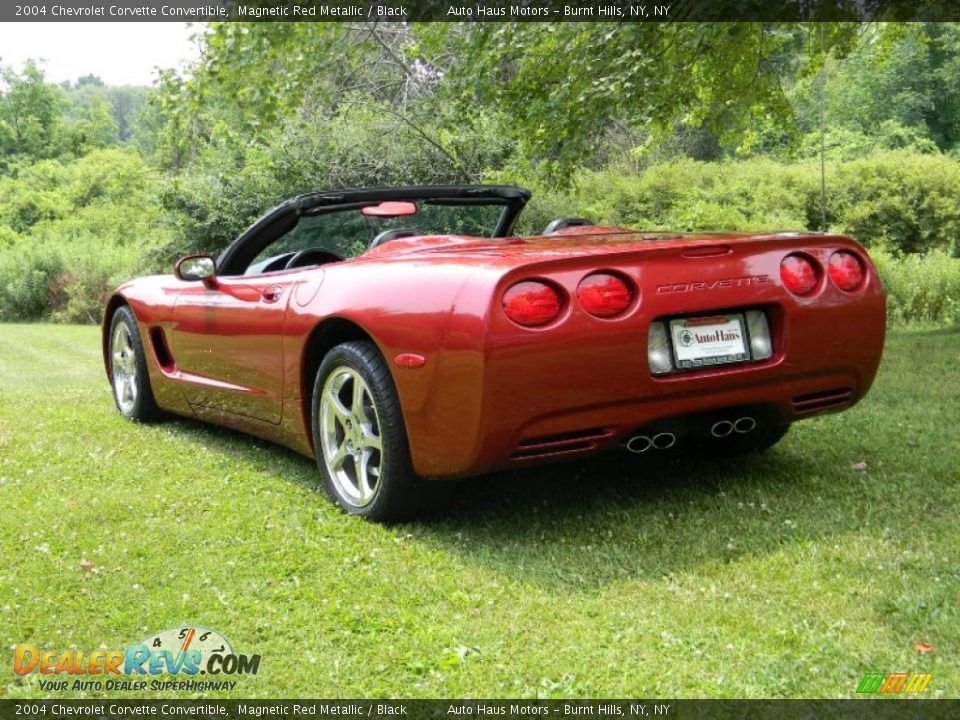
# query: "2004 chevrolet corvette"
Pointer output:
{"type": "Point", "coordinates": [402, 335]}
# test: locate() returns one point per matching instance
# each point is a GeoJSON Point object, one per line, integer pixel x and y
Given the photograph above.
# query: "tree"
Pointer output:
{"type": "Point", "coordinates": [898, 87]}
{"type": "Point", "coordinates": [560, 88]}
{"type": "Point", "coordinates": [123, 103]}
{"type": "Point", "coordinates": [92, 127]}
{"type": "Point", "coordinates": [30, 114]}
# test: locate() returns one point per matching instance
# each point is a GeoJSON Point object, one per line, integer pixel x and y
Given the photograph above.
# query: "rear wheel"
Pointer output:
{"type": "Point", "coordinates": [359, 436]}
{"type": "Point", "coordinates": [128, 369]}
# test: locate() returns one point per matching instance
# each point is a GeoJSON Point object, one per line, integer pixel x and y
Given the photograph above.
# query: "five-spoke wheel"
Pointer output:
{"type": "Point", "coordinates": [359, 436]}
{"type": "Point", "coordinates": [124, 369]}
{"type": "Point", "coordinates": [350, 435]}
{"type": "Point", "coordinates": [128, 369]}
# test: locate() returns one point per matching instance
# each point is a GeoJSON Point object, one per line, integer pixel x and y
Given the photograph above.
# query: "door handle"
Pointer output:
{"type": "Point", "coordinates": [271, 293]}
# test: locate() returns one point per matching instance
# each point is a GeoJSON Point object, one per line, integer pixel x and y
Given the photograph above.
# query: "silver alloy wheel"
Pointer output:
{"type": "Point", "coordinates": [350, 436]}
{"type": "Point", "coordinates": [124, 367]}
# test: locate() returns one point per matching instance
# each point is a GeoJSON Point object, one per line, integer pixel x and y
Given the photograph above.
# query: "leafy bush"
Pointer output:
{"type": "Point", "coordinates": [844, 143]}
{"type": "Point", "coordinates": [901, 205]}
{"type": "Point", "coordinates": [70, 231]}
{"type": "Point", "coordinates": [100, 217]}
{"type": "Point", "coordinates": [898, 200]}
{"type": "Point", "coordinates": [920, 289]}
{"type": "Point", "coordinates": [31, 193]}
{"type": "Point", "coordinates": [691, 195]}
{"type": "Point", "coordinates": [31, 283]}
{"type": "Point", "coordinates": [902, 201]}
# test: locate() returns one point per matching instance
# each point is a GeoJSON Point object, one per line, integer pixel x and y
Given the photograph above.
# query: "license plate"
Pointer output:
{"type": "Point", "coordinates": [708, 341]}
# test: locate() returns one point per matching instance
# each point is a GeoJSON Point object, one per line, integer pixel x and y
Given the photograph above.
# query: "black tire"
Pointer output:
{"type": "Point", "coordinates": [377, 484]}
{"type": "Point", "coordinates": [761, 438]}
{"type": "Point", "coordinates": [140, 405]}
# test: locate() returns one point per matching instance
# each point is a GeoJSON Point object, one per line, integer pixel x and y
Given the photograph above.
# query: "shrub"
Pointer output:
{"type": "Point", "coordinates": [901, 205]}
{"type": "Point", "coordinates": [32, 283]}
{"type": "Point", "coordinates": [31, 193]}
{"type": "Point", "coordinates": [899, 200]}
{"type": "Point", "coordinates": [903, 201]}
{"type": "Point", "coordinates": [70, 231]}
{"type": "Point", "coordinates": [102, 217]}
{"type": "Point", "coordinates": [846, 143]}
{"type": "Point", "coordinates": [920, 289]}
{"type": "Point", "coordinates": [691, 195]}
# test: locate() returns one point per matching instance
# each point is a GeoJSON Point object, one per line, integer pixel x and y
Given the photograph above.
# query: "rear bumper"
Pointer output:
{"type": "Point", "coordinates": [588, 430]}
{"type": "Point", "coordinates": [562, 396]}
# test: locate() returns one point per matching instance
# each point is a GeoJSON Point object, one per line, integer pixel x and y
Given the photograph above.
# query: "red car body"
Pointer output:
{"type": "Point", "coordinates": [479, 391]}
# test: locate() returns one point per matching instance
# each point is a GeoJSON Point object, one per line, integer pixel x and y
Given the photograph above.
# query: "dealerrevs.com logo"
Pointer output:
{"type": "Point", "coordinates": [183, 653]}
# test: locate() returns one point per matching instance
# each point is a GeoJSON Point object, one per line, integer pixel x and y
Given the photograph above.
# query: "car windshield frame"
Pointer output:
{"type": "Point", "coordinates": [261, 234]}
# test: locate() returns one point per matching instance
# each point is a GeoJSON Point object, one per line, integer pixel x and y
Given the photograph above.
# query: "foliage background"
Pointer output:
{"type": "Point", "coordinates": [683, 126]}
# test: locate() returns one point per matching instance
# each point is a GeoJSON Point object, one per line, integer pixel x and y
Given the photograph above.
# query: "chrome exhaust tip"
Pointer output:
{"type": "Point", "coordinates": [664, 440]}
{"type": "Point", "coordinates": [745, 425]}
{"type": "Point", "coordinates": [639, 444]}
{"type": "Point", "coordinates": [721, 428]}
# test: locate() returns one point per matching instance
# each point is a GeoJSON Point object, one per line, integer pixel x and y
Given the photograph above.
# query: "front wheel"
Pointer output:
{"type": "Point", "coordinates": [128, 369]}
{"type": "Point", "coordinates": [359, 436]}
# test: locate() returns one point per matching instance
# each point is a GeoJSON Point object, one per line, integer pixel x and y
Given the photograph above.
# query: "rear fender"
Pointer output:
{"type": "Point", "coordinates": [435, 310]}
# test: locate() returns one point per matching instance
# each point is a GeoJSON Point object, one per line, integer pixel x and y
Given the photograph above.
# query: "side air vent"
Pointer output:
{"type": "Point", "coordinates": [160, 349]}
{"type": "Point", "coordinates": [549, 445]}
{"type": "Point", "coordinates": [819, 401]}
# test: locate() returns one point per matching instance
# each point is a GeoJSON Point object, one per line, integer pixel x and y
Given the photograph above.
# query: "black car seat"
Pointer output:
{"type": "Point", "coordinates": [561, 223]}
{"type": "Point", "coordinates": [388, 235]}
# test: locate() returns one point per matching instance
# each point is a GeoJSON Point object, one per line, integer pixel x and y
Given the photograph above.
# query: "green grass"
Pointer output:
{"type": "Point", "coordinates": [787, 574]}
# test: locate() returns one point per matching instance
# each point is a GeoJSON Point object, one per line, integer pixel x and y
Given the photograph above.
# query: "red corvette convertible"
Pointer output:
{"type": "Point", "coordinates": [400, 335]}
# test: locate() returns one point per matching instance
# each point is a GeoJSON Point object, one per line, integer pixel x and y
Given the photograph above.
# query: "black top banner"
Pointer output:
{"type": "Point", "coordinates": [479, 10]}
{"type": "Point", "coordinates": [893, 709]}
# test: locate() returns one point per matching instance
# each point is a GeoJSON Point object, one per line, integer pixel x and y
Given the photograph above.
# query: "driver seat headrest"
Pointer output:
{"type": "Point", "coordinates": [561, 223]}
{"type": "Point", "coordinates": [388, 235]}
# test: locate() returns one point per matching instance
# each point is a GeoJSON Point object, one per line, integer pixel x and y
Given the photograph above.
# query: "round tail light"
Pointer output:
{"type": "Point", "coordinates": [604, 295]}
{"type": "Point", "coordinates": [532, 303]}
{"type": "Point", "coordinates": [799, 274]}
{"type": "Point", "coordinates": [846, 270]}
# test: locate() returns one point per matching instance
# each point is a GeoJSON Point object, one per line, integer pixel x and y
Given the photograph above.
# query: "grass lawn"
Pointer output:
{"type": "Point", "coordinates": [786, 574]}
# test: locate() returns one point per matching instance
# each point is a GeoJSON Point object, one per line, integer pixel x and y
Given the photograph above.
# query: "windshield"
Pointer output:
{"type": "Point", "coordinates": [349, 233]}
{"type": "Point", "coordinates": [330, 225]}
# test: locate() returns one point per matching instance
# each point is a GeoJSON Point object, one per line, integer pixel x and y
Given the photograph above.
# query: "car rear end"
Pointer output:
{"type": "Point", "coordinates": [654, 342]}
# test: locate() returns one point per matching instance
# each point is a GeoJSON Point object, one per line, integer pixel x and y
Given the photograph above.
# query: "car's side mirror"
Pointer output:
{"type": "Point", "coordinates": [195, 267]}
